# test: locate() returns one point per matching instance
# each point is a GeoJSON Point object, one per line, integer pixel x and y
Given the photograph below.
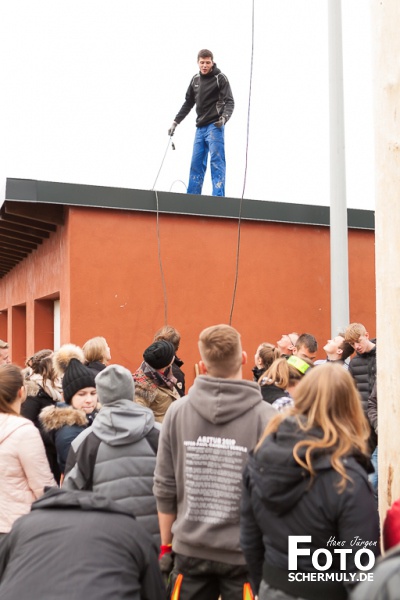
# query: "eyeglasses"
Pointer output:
{"type": "Point", "coordinates": [290, 339]}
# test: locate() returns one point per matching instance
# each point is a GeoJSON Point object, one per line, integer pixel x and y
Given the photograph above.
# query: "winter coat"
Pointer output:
{"type": "Point", "coordinates": [96, 366]}
{"type": "Point", "coordinates": [64, 423]}
{"type": "Point", "coordinates": [157, 398]}
{"type": "Point", "coordinates": [363, 369]}
{"type": "Point", "coordinates": [204, 441]}
{"type": "Point", "coordinates": [373, 409]}
{"type": "Point", "coordinates": [272, 392]}
{"type": "Point", "coordinates": [36, 400]}
{"type": "Point", "coordinates": [124, 465]}
{"type": "Point", "coordinates": [179, 376]}
{"type": "Point", "coordinates": [212, 96]}
{"type": "Point", "coordinates": [24, 470]}
{"type": "Point", "coordinates": [79, 545]}
{"type": "Point", "coordinates": [257, 372]}
{"type": "Point", "coordinates": [280, 500]}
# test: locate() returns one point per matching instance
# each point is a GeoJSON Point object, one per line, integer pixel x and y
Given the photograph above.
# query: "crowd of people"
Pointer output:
{"type": "Point", "coordinates": [231, 489]}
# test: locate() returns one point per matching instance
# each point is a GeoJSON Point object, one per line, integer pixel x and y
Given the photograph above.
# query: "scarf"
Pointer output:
{"type": "Point", "coordinates": [165, 379]}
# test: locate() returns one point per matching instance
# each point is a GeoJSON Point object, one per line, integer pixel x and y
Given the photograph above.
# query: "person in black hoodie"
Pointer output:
{"type": "Point", "coordinates": [308, 476]}
{"type": "Point", "coordinates": [210, 91]}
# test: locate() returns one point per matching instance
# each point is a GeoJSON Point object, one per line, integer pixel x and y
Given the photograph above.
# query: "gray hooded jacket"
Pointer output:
{"type": "Point", "coordinates": [204, 443]}
{"type": "Point", "coordinates": [126, 455]}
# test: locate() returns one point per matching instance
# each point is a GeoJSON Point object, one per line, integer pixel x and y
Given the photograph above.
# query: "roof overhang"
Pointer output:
{"type": "Point", "coordinates": [32, 210]}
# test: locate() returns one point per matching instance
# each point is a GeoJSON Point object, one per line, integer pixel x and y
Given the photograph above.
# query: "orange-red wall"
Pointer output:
{"type": "Point", "coordinates": [105, 265]}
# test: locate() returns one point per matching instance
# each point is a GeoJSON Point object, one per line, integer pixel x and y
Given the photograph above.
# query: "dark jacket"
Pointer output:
{"type": "Point", "coordinates": [31, 409]}
{"type": "Point", "coordinates": [212, 96]}
{"type": "Point", "coordinates": [78, 545]}
{"type": "Point", "coordinates": [279, 500]}
{"type": "Point", "coordinates": [373, 409]}
{"type": "Point", "coordinates": [257, 373]}
{"type": "Point", "coordinates": [363, 369]}
{"type": "Point", "coordinates": [272, 392]}
{"type": "Point", "coordinates": [96, 366]}
{"type": "Point", "coordinates": [179, 375]}
{"type": "Point", "coordinates": [125, 460]}
{"type": "Point", "coordinates": [64, 423]}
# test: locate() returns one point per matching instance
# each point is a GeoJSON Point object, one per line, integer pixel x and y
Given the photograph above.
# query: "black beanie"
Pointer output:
{"type": "Point", "coordinates": [76, 377]}
{"type": "Point", "coordinates": [160, 354]}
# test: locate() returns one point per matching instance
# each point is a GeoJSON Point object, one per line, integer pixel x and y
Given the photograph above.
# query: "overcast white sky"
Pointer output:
{"type": "Point", "coordinates": [90, 88]}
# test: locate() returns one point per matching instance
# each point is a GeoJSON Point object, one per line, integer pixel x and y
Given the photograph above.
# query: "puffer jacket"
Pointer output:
{"type": "Point", "coordinates": [363, 369]}
{"type": "Point", "coordinates": [279, 499]}
{"type": "Point", "coordinates": [64, 423]}
{"type": "Point", "coordinates": [24, 470]}
{"type": "Point", "coordinates": [125, 461]}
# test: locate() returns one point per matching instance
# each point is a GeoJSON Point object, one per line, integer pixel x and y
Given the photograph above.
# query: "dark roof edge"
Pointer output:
{"type": "Point", "coordinates": [71, 194]}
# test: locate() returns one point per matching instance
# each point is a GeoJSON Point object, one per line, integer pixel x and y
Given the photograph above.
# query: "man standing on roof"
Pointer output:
{"type": "Point", "coordinates": [210, 91]}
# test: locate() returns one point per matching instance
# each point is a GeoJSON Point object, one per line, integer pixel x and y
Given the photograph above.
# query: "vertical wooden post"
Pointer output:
{"type": "Point", "coordinates": [386, 40]}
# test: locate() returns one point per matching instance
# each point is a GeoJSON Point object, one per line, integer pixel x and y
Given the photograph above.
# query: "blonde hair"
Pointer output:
{"type": "Point", "coordinates": [221, 350]}
{"type": "Point", "coordinates": [282, 374]}
{"type": "Point", "coordinates": [3, 345]}
{"type": "Point", "coordinates": [353, 332]}
{"type": "Point", "coordinates": [95, 349]}
{"type": "Point", "coordinates": [328, 399]}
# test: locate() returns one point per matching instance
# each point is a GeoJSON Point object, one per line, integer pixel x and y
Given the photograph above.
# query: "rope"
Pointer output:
{"type": "Point", "coordinates": [245, 171]}
{"type": "Point", "coordinates": [164, 287]}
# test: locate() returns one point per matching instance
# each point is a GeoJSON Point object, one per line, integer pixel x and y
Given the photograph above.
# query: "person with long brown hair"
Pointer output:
{"type": "Point", "coordinates": [265, 355]}
{"type": "Point", "coordinates": [43, 388]}
{"type": "Point", "coordinates": [24, 470]}
{"type": "Point", "coordinates": [308, 477]}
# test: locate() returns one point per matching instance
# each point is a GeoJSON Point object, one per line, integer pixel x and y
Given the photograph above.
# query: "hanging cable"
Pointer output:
{"type": "Point", "coordinates": [245, 170]}
{"type": "Point", "coordinates": [164, 287]}
{"type": "Point", "coordinates": [162, 162]}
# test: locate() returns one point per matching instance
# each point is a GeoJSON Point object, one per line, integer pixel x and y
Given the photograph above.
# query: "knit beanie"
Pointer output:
{"type": "Point", "coordinates": [114, 383]}
{"type": "Point", "coordinates": [391, 526]}
{"type": "Point", "coordinates": [160, 354]}
{"type": "Point", "coordinates": [76, 377]}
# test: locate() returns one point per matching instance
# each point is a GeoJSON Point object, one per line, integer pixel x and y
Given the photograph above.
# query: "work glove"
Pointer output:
{"type": "Point", "coordinates": [221, 121]}
{"type": "Point", "coordinates": [171, 130]}
{"type": "Point", "coordinates": [166, 562]}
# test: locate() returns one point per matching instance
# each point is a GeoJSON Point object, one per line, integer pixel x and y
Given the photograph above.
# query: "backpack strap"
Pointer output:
{"type": "Point", "coordinates": [86, 456]}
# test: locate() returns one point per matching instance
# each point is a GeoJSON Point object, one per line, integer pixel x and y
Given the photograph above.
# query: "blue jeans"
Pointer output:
{"type": "Point", "coordinates": [208, 139]}
{"type": "Point", "coordinates": [373, 477]}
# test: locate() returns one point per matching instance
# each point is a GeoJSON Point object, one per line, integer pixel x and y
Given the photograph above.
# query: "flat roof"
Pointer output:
{"type": "Point", "coordinates": [70, 194]}
{"type": "Point", "coordinates": [32, 210]}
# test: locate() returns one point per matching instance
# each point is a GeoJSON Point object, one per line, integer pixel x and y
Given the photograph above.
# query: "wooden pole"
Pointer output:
{"type": "Point", "coordinates": [386, 52]}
